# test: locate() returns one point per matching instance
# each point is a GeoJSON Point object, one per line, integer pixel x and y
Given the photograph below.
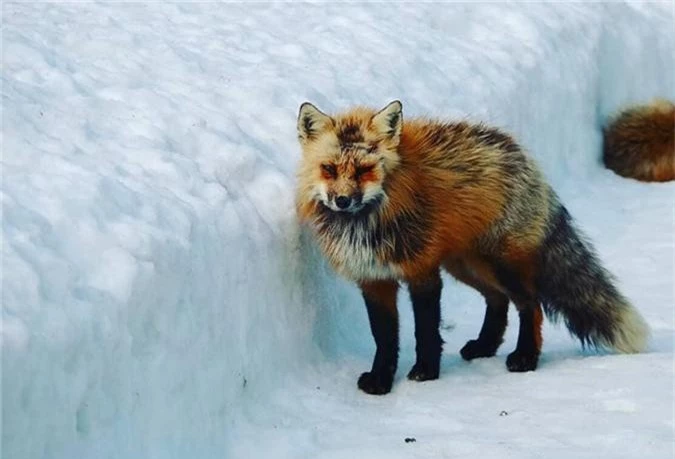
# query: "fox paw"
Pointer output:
{"type": "Point", "coordinates": [474, 349]}
{"type": "Point", "coordinates": [375, 384]}
{"type": "Point", "coordinates": [422, 372]}
{"type": "Point", "coordinates": [518, 362]}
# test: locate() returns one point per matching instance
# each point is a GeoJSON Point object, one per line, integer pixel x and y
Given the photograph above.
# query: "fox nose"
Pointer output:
{"type": "Point", "coordinates": [343, 201]}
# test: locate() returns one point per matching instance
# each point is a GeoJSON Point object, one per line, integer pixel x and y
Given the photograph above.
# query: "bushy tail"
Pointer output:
{"type": "Point", "coordinates": [573, 285]}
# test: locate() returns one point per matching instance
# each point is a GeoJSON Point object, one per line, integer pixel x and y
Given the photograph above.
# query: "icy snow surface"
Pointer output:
{"type": "Point", "coordinates": [159, 301]}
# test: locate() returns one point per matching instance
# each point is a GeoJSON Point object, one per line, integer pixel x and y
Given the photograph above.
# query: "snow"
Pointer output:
{"type": "Point", "coordinates": [159, 299]}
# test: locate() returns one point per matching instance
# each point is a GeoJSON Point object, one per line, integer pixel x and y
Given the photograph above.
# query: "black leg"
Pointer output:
{"type": "Point", "coordinates": [380, 298]}
{"type": "Point", "coordinates": [426, 302]}
{"type": "Point", "coordinates": [526, 355]}
{"type": "Point", "coordinates": [492, 332]}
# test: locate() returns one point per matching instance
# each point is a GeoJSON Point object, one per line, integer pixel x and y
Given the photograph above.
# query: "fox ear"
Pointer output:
{"type": "Point", "coordinates": [311, 121]}
{"type": "Point", "coordinates": [388, 121]}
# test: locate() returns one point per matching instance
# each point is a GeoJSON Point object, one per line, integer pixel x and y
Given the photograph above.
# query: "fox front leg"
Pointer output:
{"type": "Point", "coordinates": [380, 299]}
{"type": "Point", "coordinates": [425, 295]}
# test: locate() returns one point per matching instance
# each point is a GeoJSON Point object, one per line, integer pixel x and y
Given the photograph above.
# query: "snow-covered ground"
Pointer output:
{"type": "Point", "coordinates": [159, 300]}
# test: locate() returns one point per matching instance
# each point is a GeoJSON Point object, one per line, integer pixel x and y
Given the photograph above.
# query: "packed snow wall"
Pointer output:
{"type": "Point", "coordinates": [154, 280]}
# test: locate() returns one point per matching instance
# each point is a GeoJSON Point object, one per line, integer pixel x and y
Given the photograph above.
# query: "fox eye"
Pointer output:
{"type": "Point", "coordinates": [363, 170]}
{"type": "Point", "coordinates": [329, 170]}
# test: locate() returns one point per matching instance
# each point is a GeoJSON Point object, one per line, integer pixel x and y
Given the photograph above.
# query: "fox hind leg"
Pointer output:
{"type": "Point", "coordinates": [516, 279]}
{"type": "Point", "coordinates": [526, 355]}
{"type": "Point", "coordinates": [496, 308]}
{"type": "Point", "coordinates": [494, 324]}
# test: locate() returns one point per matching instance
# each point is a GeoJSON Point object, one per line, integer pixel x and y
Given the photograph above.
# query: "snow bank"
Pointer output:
{"type": "Point", "coordinates": [158, 300]}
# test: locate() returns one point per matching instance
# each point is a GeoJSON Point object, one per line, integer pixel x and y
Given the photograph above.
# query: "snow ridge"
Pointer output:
{"type": "Point", "coordinates": [158, 299]}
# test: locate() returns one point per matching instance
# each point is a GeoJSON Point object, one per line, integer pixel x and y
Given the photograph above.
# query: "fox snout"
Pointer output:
{"type": "Point", "coordinates": [343, 201]}
{"type": "Point", "coordinates": [346, 202]}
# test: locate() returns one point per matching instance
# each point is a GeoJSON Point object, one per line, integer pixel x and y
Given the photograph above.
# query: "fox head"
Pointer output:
{"type": "Point", "coordinates": [346, 157]}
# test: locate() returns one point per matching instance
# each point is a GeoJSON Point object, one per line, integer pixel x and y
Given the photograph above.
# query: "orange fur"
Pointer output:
{"type": "Point", "coordinates": [455, 227]}
{"type": "Point", "coordinates": [640, 142]}
{"type": "Point", "coordinates": [538, 320]}
{"type": "Point", "coordinates": [383, 293]}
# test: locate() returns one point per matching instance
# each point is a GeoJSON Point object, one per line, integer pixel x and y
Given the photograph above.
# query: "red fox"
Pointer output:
{"type": "Point", "coordinates": [394, 202]}
{"type": "Point", "coordinates": [640, 142]}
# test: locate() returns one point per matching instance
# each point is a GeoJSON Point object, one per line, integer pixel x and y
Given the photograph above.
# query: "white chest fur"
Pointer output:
{"type": "Point", "coordinates": [354, 255]}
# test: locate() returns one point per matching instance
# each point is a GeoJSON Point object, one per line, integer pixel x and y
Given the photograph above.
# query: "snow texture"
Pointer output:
{"type": "Point", "coordinates": [159, 300]}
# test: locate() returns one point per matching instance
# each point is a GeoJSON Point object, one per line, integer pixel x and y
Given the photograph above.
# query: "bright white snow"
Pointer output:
{"type": "Point", "coordinates": [159, 301]}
